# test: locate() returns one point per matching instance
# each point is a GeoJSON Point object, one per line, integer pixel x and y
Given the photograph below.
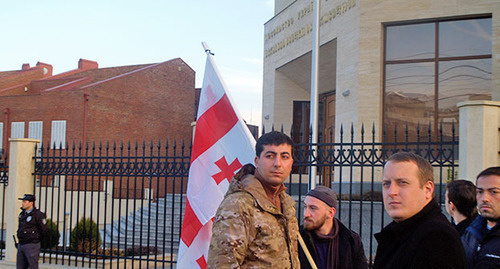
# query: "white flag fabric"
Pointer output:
{"type": "Point", "coordinates": [222, 145]}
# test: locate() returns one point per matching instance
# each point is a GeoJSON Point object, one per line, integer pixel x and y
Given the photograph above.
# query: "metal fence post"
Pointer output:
{"type": "Point", "coordinates": [21, 167]}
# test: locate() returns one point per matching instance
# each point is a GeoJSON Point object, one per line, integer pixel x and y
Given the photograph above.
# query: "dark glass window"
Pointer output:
{"type": "Point", "coordinates": [465, 38]}
{"type": "Point", "coordinates": [429, 68]}
{"type": "Point", "coordinates": [461, 81]}
{"type": "Point", "coordinates": [415, 41]}
{"type": "Point", "coordinates": [409, 95]}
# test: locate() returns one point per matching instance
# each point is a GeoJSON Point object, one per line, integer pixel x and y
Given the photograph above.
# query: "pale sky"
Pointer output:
{"type": "Point", "coordinates": [126, 32]}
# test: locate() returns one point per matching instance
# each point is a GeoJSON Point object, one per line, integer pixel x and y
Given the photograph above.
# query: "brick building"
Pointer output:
{"type": "Point", "coordinates": [149, 102]}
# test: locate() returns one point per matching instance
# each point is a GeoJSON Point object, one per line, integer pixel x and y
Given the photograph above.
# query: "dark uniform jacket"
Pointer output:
{"type": "Point", "coordinates": [482, 247]}
{"type": "Point", "coordinates": [426, 240]}
{"type": "Point", "coordinates": [32, 226]}
{"type": "Point", "coordinates": [351, 252]}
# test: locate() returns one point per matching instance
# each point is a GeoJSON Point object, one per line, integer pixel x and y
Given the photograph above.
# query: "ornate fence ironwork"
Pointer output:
{"type": "Point", "coordinates": [135, 193]}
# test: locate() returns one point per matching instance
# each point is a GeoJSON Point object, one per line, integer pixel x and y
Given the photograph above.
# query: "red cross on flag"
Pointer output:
{"type": "Point", "coordinates": [222, 144]}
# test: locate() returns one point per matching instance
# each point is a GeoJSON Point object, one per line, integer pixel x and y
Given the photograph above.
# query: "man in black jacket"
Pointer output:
{"type": "Point", "coordinates": [461, 203]}
{"type": "Point", "coordinates": [420, 236]}
{"type": "Point", "coordinates": [482, 238]}
{"type": "Point", "coordinates": [331, 244]}
{"type": "Point", "coordinates": [32, 227]}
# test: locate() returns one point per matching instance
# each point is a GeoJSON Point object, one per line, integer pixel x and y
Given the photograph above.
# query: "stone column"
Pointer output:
{"type": "Point", "coordinates": [479, 137]}
{"type": "Point", "coordinates": [21, 181]}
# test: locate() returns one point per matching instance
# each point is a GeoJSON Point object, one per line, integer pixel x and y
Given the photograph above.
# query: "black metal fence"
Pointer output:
{"type": "Point", "coordinates": [353, 168]}
{"type": "Point", "coordinates": [4, 181]}
{"type": "Point", "coordinates": [135, 193]}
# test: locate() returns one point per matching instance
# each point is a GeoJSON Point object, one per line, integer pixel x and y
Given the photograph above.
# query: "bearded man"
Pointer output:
{"type": "Point", "coordinates": [331, 244]}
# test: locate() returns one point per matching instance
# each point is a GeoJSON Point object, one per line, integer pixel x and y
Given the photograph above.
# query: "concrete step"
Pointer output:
{"type": "Point", "coordinates": [127, 230]}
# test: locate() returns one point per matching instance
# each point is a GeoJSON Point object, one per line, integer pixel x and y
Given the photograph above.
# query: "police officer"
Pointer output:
{"type": "Point", "coordinates": [32, 227]}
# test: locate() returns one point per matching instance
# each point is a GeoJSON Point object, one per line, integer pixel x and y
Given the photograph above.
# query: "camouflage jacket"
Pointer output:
{"type": "Point", "coordinates": [250, 232]}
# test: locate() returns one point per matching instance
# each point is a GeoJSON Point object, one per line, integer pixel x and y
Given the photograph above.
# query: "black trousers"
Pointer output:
{"type": "Point", "coordinates": [28, 255]}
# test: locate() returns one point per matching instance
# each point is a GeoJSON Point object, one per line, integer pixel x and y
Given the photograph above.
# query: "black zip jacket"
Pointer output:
{"type": "Point", "coordinates": [426, 240]}
{"type": "Point", "coordinates": [482, 247]}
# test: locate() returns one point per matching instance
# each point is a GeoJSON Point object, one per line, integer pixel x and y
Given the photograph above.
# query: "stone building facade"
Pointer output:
{"type": "Point", "coordinates": [385, 63]}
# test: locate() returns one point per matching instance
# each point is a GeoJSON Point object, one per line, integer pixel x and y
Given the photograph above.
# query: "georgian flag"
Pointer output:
{"type": "Point", "coordinates": [222, 145]}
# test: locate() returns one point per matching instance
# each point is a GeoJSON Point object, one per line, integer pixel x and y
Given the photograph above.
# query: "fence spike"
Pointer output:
{"type": "Point", "coordinates": [441, 129]}
{"type": "Point", "coordinates": [418, 131]}
{"type": "Point", "coordinates": [395, 132]}
{"type": "Point", "coordinates": [320, 134]}
{"type": "Point", "coordinates": [406, 133]}
{"type": "Point", "coordinates": [430, 131]}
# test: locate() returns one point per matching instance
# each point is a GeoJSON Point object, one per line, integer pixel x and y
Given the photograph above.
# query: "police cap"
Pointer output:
{"type": "Point", "coordinates": [28, 197]}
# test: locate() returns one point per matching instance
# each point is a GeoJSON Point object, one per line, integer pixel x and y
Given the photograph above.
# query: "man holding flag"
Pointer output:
{"type": "Point", "coordinates": [255, 225]}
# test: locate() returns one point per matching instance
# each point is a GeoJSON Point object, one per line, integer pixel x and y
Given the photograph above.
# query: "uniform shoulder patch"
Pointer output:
{"type": "Point", "coordinates": [44, 221]}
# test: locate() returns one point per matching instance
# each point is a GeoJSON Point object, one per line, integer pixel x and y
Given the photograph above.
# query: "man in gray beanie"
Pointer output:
{"type": "Point", "coordinates": [331, 244]}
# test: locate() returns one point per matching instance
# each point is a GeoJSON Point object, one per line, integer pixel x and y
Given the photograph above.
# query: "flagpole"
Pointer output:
{"type": "Point", "coordinates": [205, 47]}
{"type": "Point", "coordinates": [314, 95]}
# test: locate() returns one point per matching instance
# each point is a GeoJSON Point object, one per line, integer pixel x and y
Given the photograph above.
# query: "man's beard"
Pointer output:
{"type": "Point", "coordinates": [313, 226]}
{"type": "Point", "coordinates": [488, 215]}
{"type": "Point", "coordinates": [492, 219]}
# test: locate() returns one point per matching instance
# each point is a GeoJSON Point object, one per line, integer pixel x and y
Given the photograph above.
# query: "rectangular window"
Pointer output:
{"type": "Point", "coordinates": [35, 131]}
{"type": "Point", "coordinates": [58, 134]}
{"type": "Point", "coordinates": [428, 68]}
{"type": "Point", "coordinates": [17, 130]}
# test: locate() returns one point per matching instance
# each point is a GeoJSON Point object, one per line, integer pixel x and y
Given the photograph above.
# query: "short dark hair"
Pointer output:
{"type": "Point", "coordinates": [424, 167]}
{"type": "Point", "coordinates": [494, 170]}
{"type": "Point", "coordinates": [462, 193]}
{"type": "Point", "coordinates": [272, 138]}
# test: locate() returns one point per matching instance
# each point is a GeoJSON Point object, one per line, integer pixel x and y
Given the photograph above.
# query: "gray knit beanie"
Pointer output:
{"type": "Point", "coordinates": [325, 194]}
